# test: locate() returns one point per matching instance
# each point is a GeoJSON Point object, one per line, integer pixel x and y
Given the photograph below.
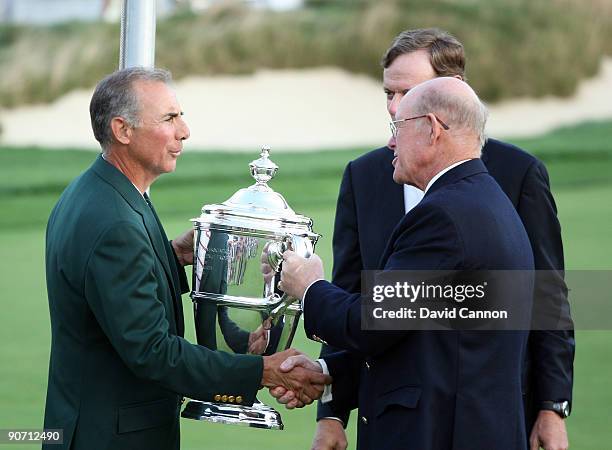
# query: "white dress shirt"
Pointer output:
{"type": "Point", "coordinates": [412, 196]}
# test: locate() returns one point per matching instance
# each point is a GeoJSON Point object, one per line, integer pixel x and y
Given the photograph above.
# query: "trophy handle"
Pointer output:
{"type": "Point", "coordinates": [300, 245]}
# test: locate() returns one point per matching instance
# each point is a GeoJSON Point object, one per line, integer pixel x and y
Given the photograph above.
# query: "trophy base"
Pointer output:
{"type": "Point", "coordinates": [257, 416]}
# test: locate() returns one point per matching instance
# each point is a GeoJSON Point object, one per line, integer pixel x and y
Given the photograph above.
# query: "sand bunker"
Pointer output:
{"type": "Point", "coordinates": [294, 110]}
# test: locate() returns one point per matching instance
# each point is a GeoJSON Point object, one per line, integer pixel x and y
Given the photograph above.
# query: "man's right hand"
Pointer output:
{"type": "Point", "coordinates": [330, 435]}
{"type": "Point", "coordinates": [307, 385]}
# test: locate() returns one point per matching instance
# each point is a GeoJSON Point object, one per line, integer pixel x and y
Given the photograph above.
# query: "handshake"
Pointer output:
{"type": "Point", "coordinates": [293, 378]}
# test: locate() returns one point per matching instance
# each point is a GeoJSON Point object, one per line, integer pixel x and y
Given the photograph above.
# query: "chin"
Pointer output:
{"type": "Point", "coordinates": [167, 168]}
{"type": "Point", "coordinates": [398, 178]}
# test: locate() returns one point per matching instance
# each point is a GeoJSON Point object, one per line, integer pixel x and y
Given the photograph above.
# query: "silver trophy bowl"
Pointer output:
{"type": "Point", "coordinates": [238, 307]}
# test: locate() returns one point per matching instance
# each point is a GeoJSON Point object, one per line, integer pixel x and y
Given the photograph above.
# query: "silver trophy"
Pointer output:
{"type": "Point", "coordinates": [237, 304]}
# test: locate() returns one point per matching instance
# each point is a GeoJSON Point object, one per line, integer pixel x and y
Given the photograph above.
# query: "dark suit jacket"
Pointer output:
{"type": "Point", "coordinates": [370, 204]}
{"type": "Point", "coordinates": [119, 364]}
{"type": "Point", "coordinates": [435, 390]}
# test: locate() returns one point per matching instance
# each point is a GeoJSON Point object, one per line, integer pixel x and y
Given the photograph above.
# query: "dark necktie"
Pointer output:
{"type": "Point", "coordinates": [174, 281]}
{"type": "Point", "coordinates": [148, 200]}
{"type": "Point", "coordinates": [168, 248]}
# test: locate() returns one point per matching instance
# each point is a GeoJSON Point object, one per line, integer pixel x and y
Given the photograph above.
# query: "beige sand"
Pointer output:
{"type": "Point", "coordinates": [295, 110]}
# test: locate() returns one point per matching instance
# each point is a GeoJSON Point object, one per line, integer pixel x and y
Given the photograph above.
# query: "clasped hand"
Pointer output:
{"type": "Point", "coordinates": [293, 379]}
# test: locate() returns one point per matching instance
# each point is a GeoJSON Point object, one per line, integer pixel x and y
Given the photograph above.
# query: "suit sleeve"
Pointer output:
{"type": "Point", "coordinates": [426, 239]}
{"type": "Point", "coordinates": [551, 352]}
{"type": "Point", "coordinates": [346, 274]}
{"type": "Point", "coordinates": [121, 289]}
{"type": "Point", "coordinates": [345, 368]}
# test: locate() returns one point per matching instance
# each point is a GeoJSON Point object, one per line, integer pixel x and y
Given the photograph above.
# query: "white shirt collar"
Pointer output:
{"type": "Point", "coordinates": [442, 172]}
{"type": "Point", "coordinates": [412, 196]}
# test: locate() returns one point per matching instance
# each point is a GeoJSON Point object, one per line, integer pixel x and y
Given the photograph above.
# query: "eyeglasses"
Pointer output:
{"type": "Point", "coordinates": [395, 124]}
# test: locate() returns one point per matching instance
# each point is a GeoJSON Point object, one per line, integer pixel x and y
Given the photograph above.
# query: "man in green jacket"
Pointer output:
{"type": "Point", "coordinates": [119, 365]}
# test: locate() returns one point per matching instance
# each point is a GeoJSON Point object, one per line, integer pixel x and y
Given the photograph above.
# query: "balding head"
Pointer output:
{"type": "Point", "coordinates": [455, 102]}
{"type": "Point", "coordinates": [430, 147]}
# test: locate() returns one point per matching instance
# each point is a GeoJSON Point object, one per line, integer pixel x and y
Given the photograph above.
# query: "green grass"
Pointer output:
{"type": "Point", "coordinates": [31, 181]}
{"type": "Point", "coordinates": [589, 140]}
{"type": "Point", "coordinates": [514, 47]}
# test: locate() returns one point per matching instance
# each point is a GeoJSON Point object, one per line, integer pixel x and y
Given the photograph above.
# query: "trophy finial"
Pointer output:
{"type": "Point", "coordinates": [263, 169]}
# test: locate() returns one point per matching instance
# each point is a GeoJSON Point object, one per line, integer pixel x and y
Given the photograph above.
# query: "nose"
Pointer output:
{"type": "Point", "coordinates": [182, 130]}
{"type": "Point", "coordinates": [393, 104]}
{"type": "Point", "coordinates": [391, 144]}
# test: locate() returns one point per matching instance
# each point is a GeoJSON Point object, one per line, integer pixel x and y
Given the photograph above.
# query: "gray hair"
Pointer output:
{"type": "Point", "coordinates": [114, 96]}
{"type": "Point", "coordinates": [458, 112]}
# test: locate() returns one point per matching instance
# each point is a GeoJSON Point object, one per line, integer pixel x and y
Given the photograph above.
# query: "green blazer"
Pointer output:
{"type": "Point", "coordinates": [119, 365]}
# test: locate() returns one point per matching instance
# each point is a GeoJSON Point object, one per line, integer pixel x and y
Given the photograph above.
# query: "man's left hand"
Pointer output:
{"type": "Point", "coordinates": [258, 339]}
{"type": "Point", "coordinates": [298, 273]}
{"type": "Point", "coordinates": [548, 432]}
{"type": "Point", "coordinates": [183, 247]}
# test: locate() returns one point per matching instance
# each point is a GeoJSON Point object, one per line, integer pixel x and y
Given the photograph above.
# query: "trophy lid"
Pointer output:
{"type": "Point", "coordinates": [258, 206]}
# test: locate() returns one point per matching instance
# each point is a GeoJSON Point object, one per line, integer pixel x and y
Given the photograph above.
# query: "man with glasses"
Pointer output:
{"type": "Point", "coordinates": [370, 205]}
{"type": "Point", "coordinates": [394, 125]}
{"type": "Point", "coordinates": [426, 388]}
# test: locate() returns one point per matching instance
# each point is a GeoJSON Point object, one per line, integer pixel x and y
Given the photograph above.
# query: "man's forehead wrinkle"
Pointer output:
{"type": "Point", "coordinates": [398, 85]}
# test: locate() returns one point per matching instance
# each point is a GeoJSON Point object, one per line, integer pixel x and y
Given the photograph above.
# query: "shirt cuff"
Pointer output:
{"type": "Point", "coordinates": [338, 419]}
{"type": "Point", "coordinates": [306, 291]}
{"type": "Point", "coordinates": [327, 391]}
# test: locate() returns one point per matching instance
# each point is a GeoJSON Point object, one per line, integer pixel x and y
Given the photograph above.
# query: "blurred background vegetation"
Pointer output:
{"type": "Point", "coordinates": [517, 47]}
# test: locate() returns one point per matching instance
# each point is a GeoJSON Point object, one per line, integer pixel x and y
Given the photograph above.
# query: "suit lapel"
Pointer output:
{"type": "Point", "coordinates": [173, 269]}
{"type": "Point", "coordinates": [393, 193]}
{"type": "Point", "coordinates": [391, 242]}
{"type": "Point", "coordinates": [464, 170]}
{"type": "Point", "coordinates": [156, 233]}
{"type": "Point", "coordinates": [392, 209]}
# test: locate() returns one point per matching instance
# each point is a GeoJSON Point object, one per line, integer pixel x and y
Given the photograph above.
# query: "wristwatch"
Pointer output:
{"type": "Point", "coordinates": [561, 408]}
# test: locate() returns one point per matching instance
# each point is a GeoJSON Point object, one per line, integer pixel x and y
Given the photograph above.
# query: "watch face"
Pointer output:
{"type": "Point", "coordinates": [565, 408]}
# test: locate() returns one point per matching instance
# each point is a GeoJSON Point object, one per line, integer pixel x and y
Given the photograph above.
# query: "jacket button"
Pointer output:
{"type": "Point", "coordinates": [224, 398]}
{"type": "Point", "coordinates": [318, 339]}
{"type": "Point", "coordinates": [230, 399]}
{"type": "Point", "coordinates": [239, 399]}
{"type": "Point", "coordinates": [367, 364]}
{"type": "Point", "coordinates": [217, 398]}
{"type": "Point", "coordinates": [364, 420]}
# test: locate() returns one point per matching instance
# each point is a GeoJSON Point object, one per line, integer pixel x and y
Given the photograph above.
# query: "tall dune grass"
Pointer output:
{"type": "Point", "coordinates": [514, 47]}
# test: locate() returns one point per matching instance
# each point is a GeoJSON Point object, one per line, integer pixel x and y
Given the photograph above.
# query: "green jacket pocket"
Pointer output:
{"type": "Point", "coordinates": [147, 415]}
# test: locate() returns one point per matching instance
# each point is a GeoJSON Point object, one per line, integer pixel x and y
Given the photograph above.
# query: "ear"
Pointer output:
{"type": "Point", "coordinates": [459, 77]}
{"type": "Point", "coordinates": [122, 132]}
{"type": "Point", "coordinates": [436, 129]}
